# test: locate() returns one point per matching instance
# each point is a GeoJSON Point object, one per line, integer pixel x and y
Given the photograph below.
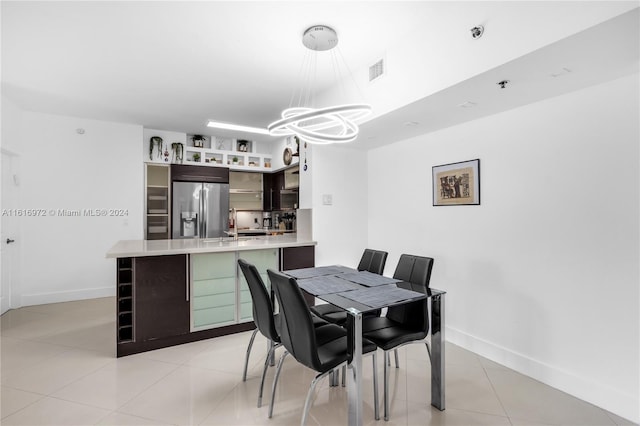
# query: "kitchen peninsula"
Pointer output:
{"type": "Point", "coordinates": [171, 292]}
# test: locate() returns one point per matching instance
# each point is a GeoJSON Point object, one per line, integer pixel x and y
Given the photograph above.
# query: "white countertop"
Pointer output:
{"type": "Point", "coordinates": [140, 248]}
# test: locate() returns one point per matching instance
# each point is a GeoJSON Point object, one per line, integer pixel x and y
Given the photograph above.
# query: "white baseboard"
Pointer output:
{"type": "Point", "coordinates": [66, 296]}
{"type": "Point", "coordinates": [603, 396]}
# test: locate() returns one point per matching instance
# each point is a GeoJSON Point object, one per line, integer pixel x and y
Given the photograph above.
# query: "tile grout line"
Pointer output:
{"type": "Point", "coordinates": [495, 393]}
{"type": "Point", "coordinates": [26, 406]}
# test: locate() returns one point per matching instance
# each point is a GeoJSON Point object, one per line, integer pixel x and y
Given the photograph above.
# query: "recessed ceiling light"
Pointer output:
{"type": "Point", "coordinates": [411, 123]}
{"type": "Point", "coordinates": [467, 104]}
{"type": "Point", "coordinates": [238, 127]}
{"type": "Point", "coordinates": [563, 71]}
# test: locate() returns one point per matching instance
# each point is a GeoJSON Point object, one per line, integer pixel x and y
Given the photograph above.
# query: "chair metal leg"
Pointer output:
{"type": "Point", "coordinates": [376, 408]}
{"type": "Point", "coordinates": [275, 382]}
{"type": "Point", "coordinates": [428, 350]}
{"type": "Point", "coordinates": [246, 360]}
{"type": "Point", "coordinates": [270, 356]}
{"type": "Point", "coordinates": [344, 375]}
{"type": "Point", "coordinates": [272, 345]}
{"type": "Point", "coordinates": [395, 352]}
{"type": "Point", "coordinates": [307, 402]}
{"type": "Point", "coordinates": [387, 364]}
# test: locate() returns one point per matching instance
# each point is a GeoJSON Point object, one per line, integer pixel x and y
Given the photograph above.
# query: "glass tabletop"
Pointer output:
{"type": "Point", "coordinates": [331, 284]}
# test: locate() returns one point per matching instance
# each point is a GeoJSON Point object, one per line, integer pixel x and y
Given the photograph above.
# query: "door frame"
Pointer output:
{"type": "Point", "coordinates": [10, 257]}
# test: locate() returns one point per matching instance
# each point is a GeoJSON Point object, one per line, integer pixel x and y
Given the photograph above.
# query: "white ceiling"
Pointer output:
{"type": "Point", "coordinates": [174, 65]}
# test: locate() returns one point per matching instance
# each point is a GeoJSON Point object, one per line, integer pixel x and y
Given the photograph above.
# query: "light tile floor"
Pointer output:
{"type": "Point", "coordinates": [58, 367]}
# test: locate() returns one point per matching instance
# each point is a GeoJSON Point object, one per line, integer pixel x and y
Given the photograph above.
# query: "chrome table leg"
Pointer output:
{"type": "Point", "coordinates": [437, 348]}
{"type": "Point", "coordinates": [354, 385]}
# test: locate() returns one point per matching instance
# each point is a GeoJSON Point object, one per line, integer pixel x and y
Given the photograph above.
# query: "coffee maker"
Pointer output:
{"type": "Point", "coordinates": [266, 220]}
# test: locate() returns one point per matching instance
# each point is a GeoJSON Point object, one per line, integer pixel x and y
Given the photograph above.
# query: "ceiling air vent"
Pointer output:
{"type": "Point", "coordinates": [376, 70]}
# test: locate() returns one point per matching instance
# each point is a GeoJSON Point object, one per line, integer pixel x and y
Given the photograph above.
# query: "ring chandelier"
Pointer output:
{"type": "Point", "coordinates": [334, 124]}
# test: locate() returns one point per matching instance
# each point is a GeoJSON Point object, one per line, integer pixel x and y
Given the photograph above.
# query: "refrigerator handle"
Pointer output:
{"type": "Point", "coordinates": [187, 274]}
{"type": "Point", "coordinates": [205, 211]}
{"type": "Point", "coordinates": [200, 216]}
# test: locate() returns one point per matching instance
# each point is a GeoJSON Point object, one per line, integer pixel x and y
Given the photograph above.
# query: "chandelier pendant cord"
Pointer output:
{"type": "Point", "coordinates": [337, 74]}
{"type": "Point", "coordinates": [355, 82]}
{"type": "Point", "coordinates": [298, 91]}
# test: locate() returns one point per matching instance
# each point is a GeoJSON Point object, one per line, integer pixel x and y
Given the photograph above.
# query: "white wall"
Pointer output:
{"type": "Point", "coordinates": [341, 228]}
{"type": "Point", "coordinates": [11, 119]}
{"type": "Point", "coordinates": [543, 275]}
{"type": "Point", "coordinates": [64, 257]}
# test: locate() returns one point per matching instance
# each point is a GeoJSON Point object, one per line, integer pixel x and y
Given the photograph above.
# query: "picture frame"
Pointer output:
{"type": "Point", "coordinates": [243, 145]}
{"type": "Point", "coordinates": [456, 184]}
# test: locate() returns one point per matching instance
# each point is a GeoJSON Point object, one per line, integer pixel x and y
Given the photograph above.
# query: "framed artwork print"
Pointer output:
{"type": "Point", "coordinates": [456, 184]}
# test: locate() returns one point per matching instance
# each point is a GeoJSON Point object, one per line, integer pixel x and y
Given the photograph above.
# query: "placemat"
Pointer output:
{"type": "Point", "coordinates": [381, 296]}
{"type": "Point", "coordinates": [327, 285]}
{"type": "Point", "coordinates": [318, 271]}
{"type": "Point", "coordinates": [369, 279]}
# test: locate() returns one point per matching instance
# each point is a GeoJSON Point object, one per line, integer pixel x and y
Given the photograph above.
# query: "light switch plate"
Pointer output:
{"type": "Point", "coordinates": [327, 199]}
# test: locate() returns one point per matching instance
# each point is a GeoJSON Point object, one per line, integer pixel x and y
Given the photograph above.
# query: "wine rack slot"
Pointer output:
{"type": "Point", "coordinates": [125, 300]}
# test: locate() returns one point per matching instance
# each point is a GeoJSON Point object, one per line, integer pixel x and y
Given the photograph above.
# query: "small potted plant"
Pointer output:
{"type": "Point", "coordinates": [178, 149]}
{"type": "Point", "coordinates": [235, 160]}
{"type": "Point", "coordinates": [157, 142]}
{"type": "Point", "coordinates": [196, 157]}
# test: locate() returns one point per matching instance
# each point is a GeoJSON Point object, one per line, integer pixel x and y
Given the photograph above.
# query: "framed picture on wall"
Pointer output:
{"type": "Point", "coordinates": [456, 184]}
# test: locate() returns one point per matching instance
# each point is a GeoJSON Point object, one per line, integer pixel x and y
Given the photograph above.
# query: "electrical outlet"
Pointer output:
{"type": "Point", "coordinates": [327, 199]}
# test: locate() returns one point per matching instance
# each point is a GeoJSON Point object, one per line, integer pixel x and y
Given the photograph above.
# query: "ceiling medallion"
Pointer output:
{"type": "Point", "coordinates": [333, 124]}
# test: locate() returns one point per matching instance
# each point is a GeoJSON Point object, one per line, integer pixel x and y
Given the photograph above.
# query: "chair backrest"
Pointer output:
{"type": "Point", "coordinates": [262, 306]}
{"type": "Point", "coordinates": [296, 326]}
{"type": "Point", "coordinates": [415, 270]}
{"type": "Point", "coordinates": [373, 261]}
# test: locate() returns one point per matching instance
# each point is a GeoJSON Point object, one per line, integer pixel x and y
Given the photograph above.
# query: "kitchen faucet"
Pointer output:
{"type": "Point", "coordinates": [235, 223]}
{"type": "Point", "coordinates": [234, 216]}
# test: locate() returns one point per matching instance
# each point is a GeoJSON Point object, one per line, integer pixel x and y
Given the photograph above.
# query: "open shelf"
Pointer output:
{"type": "Point", "coordinates": [125, 299]}
{"type": "Point", "coordinates": [157, 202]}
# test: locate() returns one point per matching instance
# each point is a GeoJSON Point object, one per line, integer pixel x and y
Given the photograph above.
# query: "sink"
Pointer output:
{"type": "Point", "coordinates": [228, 239]}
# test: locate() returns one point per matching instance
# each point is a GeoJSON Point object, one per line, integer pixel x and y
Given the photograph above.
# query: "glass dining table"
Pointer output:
{"type": "Point", "coordinates": [359, 292]}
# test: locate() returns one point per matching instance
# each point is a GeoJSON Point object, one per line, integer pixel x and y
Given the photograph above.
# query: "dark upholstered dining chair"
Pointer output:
{"type": "Point", "coordinates": [263, 317]}
{"type": "Point", "coordinates": [322, 348]}
{"type": "Point", "coordinates": [372, 261]}
{"type": "Point", "coordinates": [403, 324]}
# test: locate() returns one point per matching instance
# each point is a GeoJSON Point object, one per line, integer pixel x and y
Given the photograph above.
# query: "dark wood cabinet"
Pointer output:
{"type": "Point", "coordinates": [161, 306]}
{"type": "Point", "coordinates": [267, 192]}
{"type": "Point", "coordinates": [296, 258]}
{"type": "Point", "coordinates": [184, 173]}
{"type": "Point", "coordinates": [273, 183]}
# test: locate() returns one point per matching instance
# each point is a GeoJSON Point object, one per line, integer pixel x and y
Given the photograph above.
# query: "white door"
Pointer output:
{"type": "Point", "coordinates": [9, 242]}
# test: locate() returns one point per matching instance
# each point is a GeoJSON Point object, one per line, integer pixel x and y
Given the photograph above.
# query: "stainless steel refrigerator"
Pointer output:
{"type": "Point", "coordinates": [200, 209]}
